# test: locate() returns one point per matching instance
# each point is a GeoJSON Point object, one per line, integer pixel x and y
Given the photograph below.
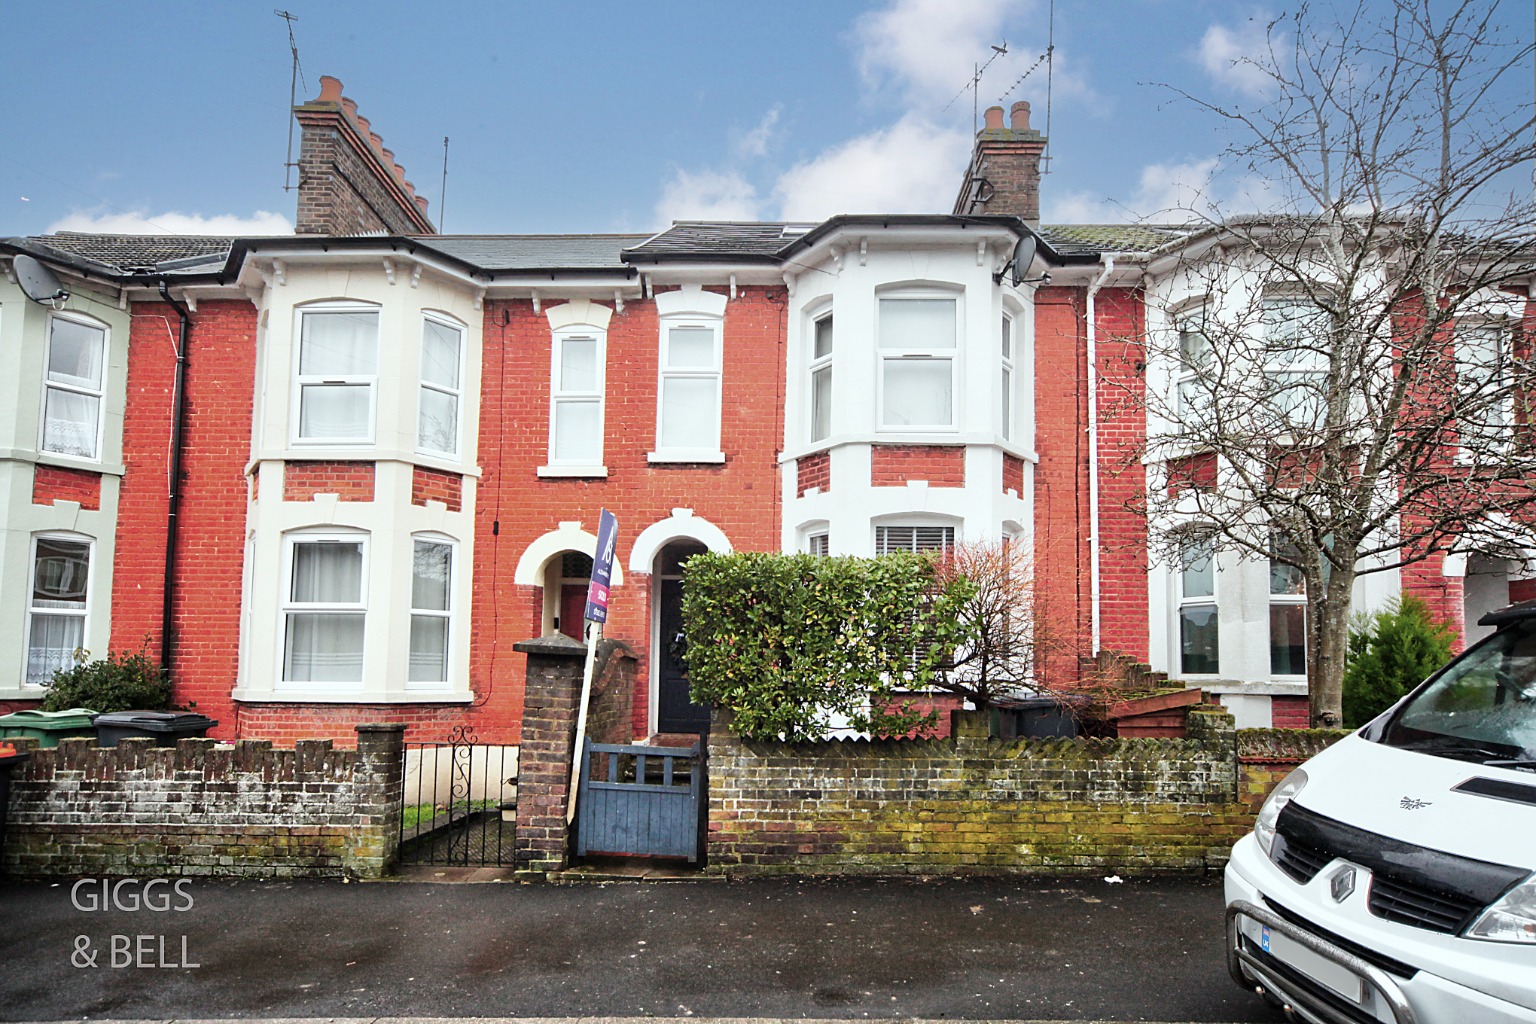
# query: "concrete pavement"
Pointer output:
{"type": "Point", "coordinates": [786, 949]}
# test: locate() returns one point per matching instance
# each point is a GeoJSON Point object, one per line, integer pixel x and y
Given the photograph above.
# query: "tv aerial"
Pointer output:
{"type": "Point", "coordinates": [39, 283]}
{"type": "Point", "coordinates": [1019, 263]}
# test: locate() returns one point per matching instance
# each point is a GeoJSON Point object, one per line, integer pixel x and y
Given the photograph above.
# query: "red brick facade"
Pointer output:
{"type": "Point", "coordinates": [813, 472]}
{"type": "Point", "coordinates": [54, 483]}
{"type": "Point", "coordinates": [350, 481]}
{"type": "Point", "coordinates": [1013, 474]}
{"type": "Point", "coordinates": [434, 485]}
{"type": "Point", "coordinates": [893, 465]}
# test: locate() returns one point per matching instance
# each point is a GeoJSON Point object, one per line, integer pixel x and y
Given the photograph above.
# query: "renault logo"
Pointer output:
{"type": "Point", "coordinates": [1342, 884]}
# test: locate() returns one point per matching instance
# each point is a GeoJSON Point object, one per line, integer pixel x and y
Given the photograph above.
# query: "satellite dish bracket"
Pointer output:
{"type": "Point", "coordinates": [38, 283]}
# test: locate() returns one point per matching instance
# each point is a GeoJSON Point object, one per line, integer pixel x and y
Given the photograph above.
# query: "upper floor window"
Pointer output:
{"type": "Point", "coordinates": [1485, 400]}
{"type": "Point", "coordinates": [336, 382]}
{"type": "Point", "coordinates": [1199, 650]}
{"type": "Point", "coordinates": [576, 397]}
{"type": "Point", "coordinates": [1007, 374]}
{"type": "Point", "coordinates": [1193, 397]}
{"type": "Point", "coordinates": [917, 339]}
{"type": "Point", "coordinates": [57, 605]}
{"type": "Point", "coordinates": [442, 359]}
{"type": "Point", "coordinates": [326, 608]}
{"type": "Point", "coordinates": [1296, 347]}
{"type": "Point", "coordinates": [688, 414]}
{"type": "Point", "coordinates": [431, 610]}
{"type": "Point", "coordinates": [72, 392]}
{"type": "Point", "coordinates": [821, 378]}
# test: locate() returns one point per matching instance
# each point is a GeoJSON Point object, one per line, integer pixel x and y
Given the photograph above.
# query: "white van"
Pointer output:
{"type": "Point", "coordinates": [1393, 876]}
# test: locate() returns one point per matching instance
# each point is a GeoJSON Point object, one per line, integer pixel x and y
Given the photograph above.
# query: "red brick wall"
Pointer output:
{"type": "Point", "coordinates": [1122, 354]}
{"type": "Point", "coordinates": [50, 483]}
{"type": "Point", "coordinates": [220, 387]}
{"type": "Point", "coordinates": [1013, 475]}
{"type": "Point", "coordinates": [1061, 477]}
{"type": "Point", "coordinates": [892, 465]}
{"type": "Point", "coordinates": [1289, 713]}
{"type": "Point", "coordinates": [284, 724]}
{"type": "Point", "coordinates": [351, 481]}
{"type": "Point", "coordinates": [434, 485]}
{"type": "Point", "coordinates": [813, 471]}
{"type": "Point", "coordinates": [1522, 590]}
{"type": "Point", "coordinates": [514, 506]}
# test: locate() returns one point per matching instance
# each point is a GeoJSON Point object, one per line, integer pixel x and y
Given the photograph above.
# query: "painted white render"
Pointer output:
{"type": "Point", "coordinates": [847, 274]}
{"type": "Point", "coordinates": [24, 330]}
{"type": "Point", "coordinates": [390, 524]}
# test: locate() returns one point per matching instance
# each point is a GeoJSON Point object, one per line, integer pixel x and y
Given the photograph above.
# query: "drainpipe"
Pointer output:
{"type": "Point", "coordinates": [1108, 261]}
{"type": "Point", "coordinates": [173, 495]}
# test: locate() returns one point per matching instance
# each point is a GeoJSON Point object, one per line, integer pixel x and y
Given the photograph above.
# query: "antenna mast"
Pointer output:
{"type": "Point", "coordinates": [293, 96]}
{"type": "Point", "coordinates": [442, 196]}
{"type": "Point", "coordinates": [974, 85]}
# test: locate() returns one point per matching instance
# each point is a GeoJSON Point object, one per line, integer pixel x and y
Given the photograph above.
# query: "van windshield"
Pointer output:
{"type": "Point", "coordinates": [1481, 708]}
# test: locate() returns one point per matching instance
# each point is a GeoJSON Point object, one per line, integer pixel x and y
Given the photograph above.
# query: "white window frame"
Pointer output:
{"type": "Point", "coordinates": [289, 607]}
{"type": "Point", "coordinates": [84, 614]}
{"type": "Point", "coordinates": [1009, 361]}
{"type": "Point", "coordinates": [299, 382]}
{"type": "Point", "coordinates": [818, 365]}
{"type": "Point", "coordinates": [1287, 599]}
{"type": "Point", "coordinates": [455, 392]}
{"type": "Point", "coordinates": [1183, 601]}
{"type": "Point", "coordinates": [68, 387]}
{"type": "Point", "coordinates": [1187, 380]}
{"type": "Point", "coordinates": [449, 613]}
{"type": "Point", "coordinates": [710, 450]}
{"type": "Point", "coordinates": [1493, 433]}
{"type": "Point", "coordinates": [945, 546]}
{"type": "Point", "coordinates": [1284, 359]}
{"type": "Point", "coordinates": [818, 542]}
{"type": "Point", "coordinates": [559, 396]}
{"type": "Point", "coordinates": [886, 356]}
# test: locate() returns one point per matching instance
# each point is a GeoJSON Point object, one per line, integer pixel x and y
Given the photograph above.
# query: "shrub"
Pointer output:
{"type": "Point", "coordinates": [789, 643]}
{"type": "Point", "coordinates": [1390, 653]}
{"type": "Point", "coordinates": [122, 681]}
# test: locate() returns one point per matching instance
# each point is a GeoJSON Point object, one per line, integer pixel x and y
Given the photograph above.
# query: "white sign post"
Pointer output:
{"type": "Point", "coordinates": [595, 615]}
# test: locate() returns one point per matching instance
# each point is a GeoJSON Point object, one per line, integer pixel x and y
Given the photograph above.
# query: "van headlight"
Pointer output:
{"type": "Point", "coordinates": [1512, 919]}
{"type": "Point", "coordinates": [1264, 824]}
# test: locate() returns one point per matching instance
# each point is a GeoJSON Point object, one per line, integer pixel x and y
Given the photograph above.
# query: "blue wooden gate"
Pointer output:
{"type": "Point", "coordinates": [641, 800]}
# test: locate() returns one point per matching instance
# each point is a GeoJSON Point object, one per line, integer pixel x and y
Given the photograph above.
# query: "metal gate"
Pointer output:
{"type": "Point", "coordinates": [459, 802]}
{"type": "Point", "coordinates": [641, 800]}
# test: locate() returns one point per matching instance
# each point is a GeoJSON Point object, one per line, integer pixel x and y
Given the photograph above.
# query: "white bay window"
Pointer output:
{"type": "Point", "coordinates": [57, 605]}
{"type": "Point", "coordinates": [431, 610]}
{"type": "Point", "coordinates": [917, 342]}
{"type": "Point", "coordinates": [442, 358]}
{"type": "Point", "coordinates": [326, 610]}
{"type": "Point", "coordinates": [337, 375]}
{"type": "Point", "coordinates": [821, 378]}
{"type": "Point", "coordinates": [73, 390]}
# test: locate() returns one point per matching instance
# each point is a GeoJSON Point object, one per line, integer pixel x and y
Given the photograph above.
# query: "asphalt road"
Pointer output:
{"type": "Point", "coordinates": [1143, 950]}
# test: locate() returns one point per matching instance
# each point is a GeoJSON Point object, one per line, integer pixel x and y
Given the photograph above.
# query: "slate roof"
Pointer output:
{"type": "Point", "coordinates": [698, 239]}
{"type": "Point", "coordinates": [1092, 239]}
{"type": "Point", "coordinates": [534, 252]}
{"type": "Point", "coordinates": [125, 253]}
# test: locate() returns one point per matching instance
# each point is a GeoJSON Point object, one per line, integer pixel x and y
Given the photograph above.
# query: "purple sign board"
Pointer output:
{"type": "Point", "coordinates": [602, 568]}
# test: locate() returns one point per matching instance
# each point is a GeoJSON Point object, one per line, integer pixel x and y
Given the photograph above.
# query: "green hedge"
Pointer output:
{"type": "Point", "coordinates": [790, 642]}
{"type": "Point", "coordinates": [1390, 653]}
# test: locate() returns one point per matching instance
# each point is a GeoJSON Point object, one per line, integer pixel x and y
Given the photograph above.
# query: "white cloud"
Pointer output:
{"type": "Point", "coordinates": [1169, 192]}
{"type": "Point", "coordinates": [755, 143]}
{"type": "Point", "coordinates": [1234, 57]}
{"type": "Point", "coordinates": [141, 222]}
{"type": "Point", "coordinates": [707, 195]}
{"type": "Point", "coordinates": [912, 166]}
{"type": "Point", "coordinates": [927, 48]}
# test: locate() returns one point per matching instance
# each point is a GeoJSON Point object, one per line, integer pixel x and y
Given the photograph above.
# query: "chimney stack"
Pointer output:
{"type": "Point", "coordinates": [349, 184]}
{"type": "Point", "coordinates": [1004, 173]}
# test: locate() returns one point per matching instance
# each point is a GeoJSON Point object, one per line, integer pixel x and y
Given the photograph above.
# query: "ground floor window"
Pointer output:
{"type": "Point", "coordinates": [326, 610]}
{"type": "Point", "coordinates": [1199, 620]}
{"type": "Point", "coordinates": [57, 605]}
{"type": "Point", "coordinates": [1287, 611]}
{"type": "Point", "coordinates": [431, 610]}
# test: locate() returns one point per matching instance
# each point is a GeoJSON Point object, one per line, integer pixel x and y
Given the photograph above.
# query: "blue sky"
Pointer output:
{"type": "Point", "coordinates": [604, 116]}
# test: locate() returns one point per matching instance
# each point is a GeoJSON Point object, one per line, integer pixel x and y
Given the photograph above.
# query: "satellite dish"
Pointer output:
{"type": "Point", "coordinates": [1023, 258]}
{"type": "Point", "coordinates": [38, 282]}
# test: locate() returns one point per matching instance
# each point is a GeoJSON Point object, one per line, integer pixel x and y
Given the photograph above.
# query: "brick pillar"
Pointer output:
{"type": "Point", "coordinates": [550, 696]}
{"type": "Point", "coordinates": [375, 849]}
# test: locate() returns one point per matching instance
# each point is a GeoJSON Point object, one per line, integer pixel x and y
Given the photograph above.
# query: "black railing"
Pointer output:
{"type": "Point", "coordinates": [459, 802]}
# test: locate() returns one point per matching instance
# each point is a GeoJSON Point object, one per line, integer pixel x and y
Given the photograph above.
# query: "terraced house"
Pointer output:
{"type": "Point", "coordinates": [333, 477]}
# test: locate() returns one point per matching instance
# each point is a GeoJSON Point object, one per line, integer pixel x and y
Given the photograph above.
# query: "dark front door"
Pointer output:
{"type": "Point", "coordinates": [675, 712]}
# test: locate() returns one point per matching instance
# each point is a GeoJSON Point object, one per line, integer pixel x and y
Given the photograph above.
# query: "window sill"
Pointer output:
{"type": "Point", "coordinates": [696, 458]}
{"type": "Point", "coordinates": [351, 697]}
{"type": "Point", "coordinates": [557, 472]}
{"type": "Point", "coordinates": [28, 693]}
{"type": "Point", "coordinates": [75, 462]}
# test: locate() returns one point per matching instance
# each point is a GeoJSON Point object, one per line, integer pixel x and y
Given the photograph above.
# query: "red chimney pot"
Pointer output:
{"type": "Point", "coordinates": [1020, 116]}
{"type": "Point", "coordinates": [994, 117]}
{"type": "Point", "coordinates": [330, 90]}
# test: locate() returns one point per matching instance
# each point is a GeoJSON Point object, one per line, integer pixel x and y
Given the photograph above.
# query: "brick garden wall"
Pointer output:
{"type": "Point", "coordinates": [197, 809]}
{"type": "Point", "coordinates": [974, 805]}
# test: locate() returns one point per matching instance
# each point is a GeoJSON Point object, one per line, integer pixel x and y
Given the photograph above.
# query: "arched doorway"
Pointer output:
{"type": "Point", "coordinates": [675, 712]}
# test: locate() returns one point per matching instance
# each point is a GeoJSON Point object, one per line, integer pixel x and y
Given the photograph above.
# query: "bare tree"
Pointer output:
{"type": "Point", "coordinates": [1341, 386]}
